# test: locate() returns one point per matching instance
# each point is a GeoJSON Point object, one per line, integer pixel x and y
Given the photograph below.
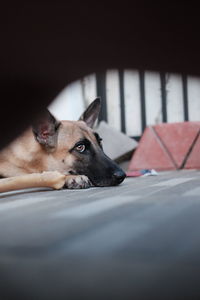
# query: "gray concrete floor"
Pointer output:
{"type": "Point", "coordinates": [139, 240]}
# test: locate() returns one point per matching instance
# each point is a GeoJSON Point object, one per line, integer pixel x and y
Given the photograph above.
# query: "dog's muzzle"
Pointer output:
{"type": "Point", "coordinates": [118, 177]}
{"type": "Point", "coordinates": [109, 179]}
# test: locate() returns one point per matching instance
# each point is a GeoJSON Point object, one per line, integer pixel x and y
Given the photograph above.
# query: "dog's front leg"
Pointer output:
{"type": "Point", "coordinates": [77, 182]}
{"type": "Point", "coordinates": [52, 179]}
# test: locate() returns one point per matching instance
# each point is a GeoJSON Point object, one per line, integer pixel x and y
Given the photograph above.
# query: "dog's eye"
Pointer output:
{"type": "Point", "coordinates": [80, 148]}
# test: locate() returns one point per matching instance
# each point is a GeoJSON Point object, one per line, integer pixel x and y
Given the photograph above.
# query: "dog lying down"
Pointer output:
{"type": "Point", "coordinates": [59, 154]}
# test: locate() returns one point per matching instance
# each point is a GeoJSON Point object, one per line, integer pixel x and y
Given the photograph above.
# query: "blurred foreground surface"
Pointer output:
{"type": "Point", "coordinates": [139, 240]}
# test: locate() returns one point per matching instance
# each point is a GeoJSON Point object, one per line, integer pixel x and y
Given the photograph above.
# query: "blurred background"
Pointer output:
{"type": "Point", "coordinates": [132, 99]}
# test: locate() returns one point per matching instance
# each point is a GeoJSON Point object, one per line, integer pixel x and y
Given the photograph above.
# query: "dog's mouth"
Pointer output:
{"type": "Point", "coordinates": [101, 171]}
{"type": "Point", "coordinates": [115, 179]}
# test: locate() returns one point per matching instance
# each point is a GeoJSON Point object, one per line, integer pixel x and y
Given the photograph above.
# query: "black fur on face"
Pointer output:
{"type": "Point", "coordinates": [95, 164]}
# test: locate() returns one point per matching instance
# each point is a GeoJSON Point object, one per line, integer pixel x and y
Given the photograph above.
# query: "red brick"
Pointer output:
{"type": "Point", "coordinates": [177, 138]}
{"type": "Point", "coordinates": [150, 154]}
{"type": "Point", "coordinates": [193, 161]}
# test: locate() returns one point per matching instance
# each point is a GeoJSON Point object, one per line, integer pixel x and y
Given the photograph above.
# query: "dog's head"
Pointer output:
{"type": "Point", "coordinates": [72, 147]}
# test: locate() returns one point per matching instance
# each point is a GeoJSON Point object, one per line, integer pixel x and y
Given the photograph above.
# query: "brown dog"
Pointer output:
{"type": "Point", "coordinates": [68, 147]}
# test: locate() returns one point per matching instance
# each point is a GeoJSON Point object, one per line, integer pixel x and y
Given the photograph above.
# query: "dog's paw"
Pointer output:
{"type": "Point", "coordinates": [77, 182]}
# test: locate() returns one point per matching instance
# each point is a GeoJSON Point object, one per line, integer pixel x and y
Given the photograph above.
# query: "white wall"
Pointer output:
{"type": "Point", "coordinates": [73, 100]}
{"type": "Point", "coordinates": [153, 98]}
{"type": "Point", "coordinates": [113, 99]}
{"type": "Point", "coordinates": [194, 98]}
{"type": "Point", "coordinates": [69, 103]}
{"type": "Point", "coordinates": [132, 103]}
{"type": "Point", "coordinates": [175, 108]}
{"type": "Point", "coordinates": [89, 89]}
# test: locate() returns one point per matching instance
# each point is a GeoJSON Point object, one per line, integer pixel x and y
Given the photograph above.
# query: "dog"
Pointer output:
{"type": "Point", "coordinates": [69, 149]}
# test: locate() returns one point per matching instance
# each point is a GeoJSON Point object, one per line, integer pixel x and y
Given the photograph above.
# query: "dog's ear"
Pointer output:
{"type": "Point", "coordinates": [91, 114]}
{"type": "Point", "coordinates": [45, 130]}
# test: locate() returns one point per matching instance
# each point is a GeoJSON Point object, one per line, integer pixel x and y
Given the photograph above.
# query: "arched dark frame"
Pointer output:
{"type": "Point", "coordinates": [46, 46]}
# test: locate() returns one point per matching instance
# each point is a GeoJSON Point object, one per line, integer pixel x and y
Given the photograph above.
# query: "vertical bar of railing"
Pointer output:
{"type": "Point", "coordinates": [101, 92]}
{"type": "Point", "coordinates": [142, 98]}
{"type": "Point", "coordinates": [122, 101]}
{"type": "Point", "coordinates": [185, 97]}
{"type": "Point", "coordinates": [163, 96]}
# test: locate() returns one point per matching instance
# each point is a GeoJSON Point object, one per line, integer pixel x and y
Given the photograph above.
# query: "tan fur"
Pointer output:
{"type": "Point", "coordinates": [54, 180]}
{"type": "Point", "coordinates": [69, 148]}
{"type": "Point", "coordinates": [25, 155]}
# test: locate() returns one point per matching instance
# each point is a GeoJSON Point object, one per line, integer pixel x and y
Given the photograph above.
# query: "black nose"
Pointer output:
{"type": "Point", "coordinates": [118, 176]}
